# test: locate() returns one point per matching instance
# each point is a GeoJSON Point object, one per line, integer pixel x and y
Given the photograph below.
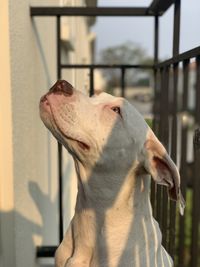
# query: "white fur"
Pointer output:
{"type": "Point", "coordinates": [113, 224]}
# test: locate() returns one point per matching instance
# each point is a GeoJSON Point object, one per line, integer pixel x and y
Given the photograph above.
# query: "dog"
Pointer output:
{"type": "Point", "coordinates": [115, 155]}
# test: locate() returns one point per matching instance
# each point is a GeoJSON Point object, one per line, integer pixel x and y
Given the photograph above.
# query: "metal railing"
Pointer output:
{"type": "Point", "coordinates": [165, 124]}
{"type": "Point", "coordinates": [170, 128]}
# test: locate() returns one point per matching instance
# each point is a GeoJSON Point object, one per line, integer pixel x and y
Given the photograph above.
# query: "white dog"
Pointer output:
{"type": "Point", "coordinates": [114, 152]}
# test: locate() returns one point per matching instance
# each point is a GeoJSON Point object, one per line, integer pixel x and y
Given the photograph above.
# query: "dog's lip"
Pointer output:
{"type": "Point", "coordinates": [80, 143]}
{"type": "Point", "coordinates": [44, 105]}
{"type": "Point", "coordinates": [83, 145]}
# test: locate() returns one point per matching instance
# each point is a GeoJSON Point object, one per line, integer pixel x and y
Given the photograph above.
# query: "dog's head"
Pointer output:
{"type": "Point", "coordinates": [108, 132]}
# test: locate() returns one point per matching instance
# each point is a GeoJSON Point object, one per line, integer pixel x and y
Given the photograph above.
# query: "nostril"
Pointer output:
{"type": "Point", "coordinates": [62, 86]}
{"type": "Point", "coordinates": [43, 98]}
{"type": "Point", "coordinates": [64, 83]}
{"type": "Point", "coordinates": [66, 87]}
{"type": "Point", "coordinates": [58, 87]}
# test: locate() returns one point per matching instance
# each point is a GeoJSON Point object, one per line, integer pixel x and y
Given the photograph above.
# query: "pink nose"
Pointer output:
{"type": "Point", "coordinates": [62, 86]}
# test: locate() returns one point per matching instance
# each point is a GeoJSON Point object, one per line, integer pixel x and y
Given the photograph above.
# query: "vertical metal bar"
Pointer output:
{"type": "Point", "coordinates": [123, 82]}
{"type": "Point", "coordinates": [60, 186]}
{"type": "Point", "coordinates": [156, 39]}
{"type": "Point", "coordinates": [91, 81]}
{"type": "Point", "coordinates": [58, 25]}
{"type": "Point", "coordinates": [165, 141]}
{"type": "Point", "coordinates": [155, 104]}
{"type": "Point", "coordinates": [183, 169]}
{"type": "Point", "coordinates": [176, 42]}
{"type": "Point", "coordinates": [172, 223]}
{"type": "Point", "coordinates": [159, 188]}
{"type": "Point", "coordinates": [165, 102]}
{"type": "Point", "coordinates": [161, 106]}
{"type": "Point", "coordinates": [197, 113]}
{"type": "Point", "coordinates": [176, 33]}
{"type": "Point", "coordinates": [196, 180]}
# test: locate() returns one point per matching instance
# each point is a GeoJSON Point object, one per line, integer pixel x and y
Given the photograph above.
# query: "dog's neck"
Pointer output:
{"type": "Point", "coordinates": [101, 191]}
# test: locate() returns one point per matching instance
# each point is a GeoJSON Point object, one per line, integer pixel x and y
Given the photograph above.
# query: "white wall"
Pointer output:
{"type": "Point", "coordinates": [33, 69]}
{"type": "Point", "coordinates": [28, 153]}
{"type": "Point", "coordinates": [6, 148]}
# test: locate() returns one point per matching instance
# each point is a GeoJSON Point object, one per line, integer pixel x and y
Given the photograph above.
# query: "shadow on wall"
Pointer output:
{"type": "Point", "coordinates": [26, 230]}
{"type": "Point", "coordinates": [26, 240]}
{"type": "Point", "coordinates": [42, 53]}
{"type": "Point", "coordinates": [43, 201]}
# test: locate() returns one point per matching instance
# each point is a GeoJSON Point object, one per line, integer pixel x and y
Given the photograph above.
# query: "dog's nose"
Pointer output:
{"type": "Point", "coordinates": [62, 86]}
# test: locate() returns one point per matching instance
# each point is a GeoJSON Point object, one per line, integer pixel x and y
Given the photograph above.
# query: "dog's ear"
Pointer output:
{"type": "Point", "coordinates": [163, 170]}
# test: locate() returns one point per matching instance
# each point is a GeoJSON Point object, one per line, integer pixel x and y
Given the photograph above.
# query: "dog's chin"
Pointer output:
{"type": "Point", "coordinates": [71, 143]}
{"type": "Point", "coordinates": [68, 141]}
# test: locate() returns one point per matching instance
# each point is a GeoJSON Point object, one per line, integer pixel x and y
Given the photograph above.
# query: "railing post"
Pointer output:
{"type": "Point", "coordinates": [172, 224]}
{"type": "Point", "coordinates": [158, 187]}
{"type": "Point", "coordinates": [156, 103]}
{"type": "Point", "coordinates": [176, 32]}
{"type": "Point", "coordinates": [123, 82]}
{"type": "Point", "coordinates": [165, 140]}
{"type": "Point", "coordinates": [196, 179]}
{"type": "Point", "coordinates": [91, 81]}
{"type": "Point", "coordinates": [176, 42]}
{"type": "Point", "coordinates": [183, 169]}
{"type": "Point", "coordinates": [60, 186]}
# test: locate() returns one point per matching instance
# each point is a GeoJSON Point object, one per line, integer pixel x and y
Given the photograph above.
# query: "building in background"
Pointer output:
{"type": "Point", "coordinates": [28, 153]}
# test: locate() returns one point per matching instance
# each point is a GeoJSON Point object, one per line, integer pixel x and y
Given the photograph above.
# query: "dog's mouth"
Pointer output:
{"type": "Point", "coordinates": [46, 106]}
{"type": "Point", "coordinates": [81, 144]}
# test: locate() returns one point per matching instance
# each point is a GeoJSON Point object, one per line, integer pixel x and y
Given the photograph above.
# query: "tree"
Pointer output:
{"type": "Point", "coordinates": [127, 53]}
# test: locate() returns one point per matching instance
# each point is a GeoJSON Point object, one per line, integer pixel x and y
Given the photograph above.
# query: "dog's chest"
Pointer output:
{"type": "Point", "coordinates": [115, 243]}
{"type": "Point", "coordinates": [134, 242]}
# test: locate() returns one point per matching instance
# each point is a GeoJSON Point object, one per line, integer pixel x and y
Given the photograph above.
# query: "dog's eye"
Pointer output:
{"type": "Point", "coordinates": [116, 110]}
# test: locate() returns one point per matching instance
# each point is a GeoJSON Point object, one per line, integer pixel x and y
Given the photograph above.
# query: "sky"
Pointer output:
{"type": "Point", "coordinates": [112, 31]}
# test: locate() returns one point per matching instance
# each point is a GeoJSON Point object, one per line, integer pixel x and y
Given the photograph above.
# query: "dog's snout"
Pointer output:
{"type": "Point", "coordinates": [62, 86]}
